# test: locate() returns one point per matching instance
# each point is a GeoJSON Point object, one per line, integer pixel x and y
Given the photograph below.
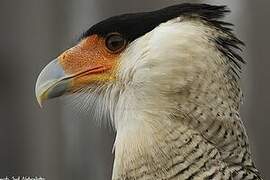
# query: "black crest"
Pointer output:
{"type": "Point", "coordinates": [133, 26]}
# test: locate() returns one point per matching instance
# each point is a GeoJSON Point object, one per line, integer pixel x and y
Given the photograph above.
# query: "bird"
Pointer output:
{"type": "Point", "coordinates": [169, 81]}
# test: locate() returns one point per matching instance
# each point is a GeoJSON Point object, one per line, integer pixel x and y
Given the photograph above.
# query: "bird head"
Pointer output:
{"type": "Point", "coordinates": [145, 55]}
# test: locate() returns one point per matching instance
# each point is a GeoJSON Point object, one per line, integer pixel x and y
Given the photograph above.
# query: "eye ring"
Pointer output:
{"type": "Point", "coordinates": [115, 42]}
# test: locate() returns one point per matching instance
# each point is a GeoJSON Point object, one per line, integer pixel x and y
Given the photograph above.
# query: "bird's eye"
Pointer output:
{"type": "Point", "coordinates": [115, 42]}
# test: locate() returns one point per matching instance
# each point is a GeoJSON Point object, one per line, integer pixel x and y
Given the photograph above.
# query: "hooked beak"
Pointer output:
{"type": "Point", "coordinates": [86, 63]}
{"type": "Point", "coordinates": [52, 82]}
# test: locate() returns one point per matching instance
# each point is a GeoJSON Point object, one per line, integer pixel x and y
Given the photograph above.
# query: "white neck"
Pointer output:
{"type": "Point", "coordinates": [188, 88]}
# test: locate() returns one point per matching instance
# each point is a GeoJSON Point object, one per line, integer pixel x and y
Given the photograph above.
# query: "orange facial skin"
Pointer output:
{"type": "Point", "coordinates": [89, 61]}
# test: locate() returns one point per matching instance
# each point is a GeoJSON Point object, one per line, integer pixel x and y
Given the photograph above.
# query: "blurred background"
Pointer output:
{"type": "Point", "coordinates": [55, 142]}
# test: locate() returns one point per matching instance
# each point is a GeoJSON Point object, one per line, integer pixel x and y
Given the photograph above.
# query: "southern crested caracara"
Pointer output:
{"type": "Point", "coordinates": [169, 80]}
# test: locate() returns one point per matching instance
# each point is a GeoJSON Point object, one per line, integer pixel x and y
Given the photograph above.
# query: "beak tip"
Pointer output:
{"type": "Point", "coordinates": [40, 103]}
{"type": "Point", "coordinates": [39, 96]}
{"type": "Point", "coordinates": [40, 100]}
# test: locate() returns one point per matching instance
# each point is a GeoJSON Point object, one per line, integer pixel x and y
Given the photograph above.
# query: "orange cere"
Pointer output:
{"type": "Point", "coordinates": [89, 57]}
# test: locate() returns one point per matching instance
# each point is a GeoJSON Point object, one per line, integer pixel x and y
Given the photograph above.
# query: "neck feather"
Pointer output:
{"type": "Point", "coordinates": [161, 134]}
{"type": "Point", "coordinates": [184, 112]}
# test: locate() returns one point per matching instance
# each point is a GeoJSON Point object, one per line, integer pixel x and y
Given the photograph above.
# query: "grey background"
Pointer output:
{"type": "Point", "coordinates": [57, 143]}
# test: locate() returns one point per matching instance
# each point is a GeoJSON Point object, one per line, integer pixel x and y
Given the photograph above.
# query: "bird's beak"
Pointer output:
{"type": "Point", "coordinates": [52, 82]}
{"type": "Point", "coordinates": [86, 63]}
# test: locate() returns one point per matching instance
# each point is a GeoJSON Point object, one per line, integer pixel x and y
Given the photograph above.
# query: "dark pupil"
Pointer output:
{"type": "Point", "coordinates": [115, 42]}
